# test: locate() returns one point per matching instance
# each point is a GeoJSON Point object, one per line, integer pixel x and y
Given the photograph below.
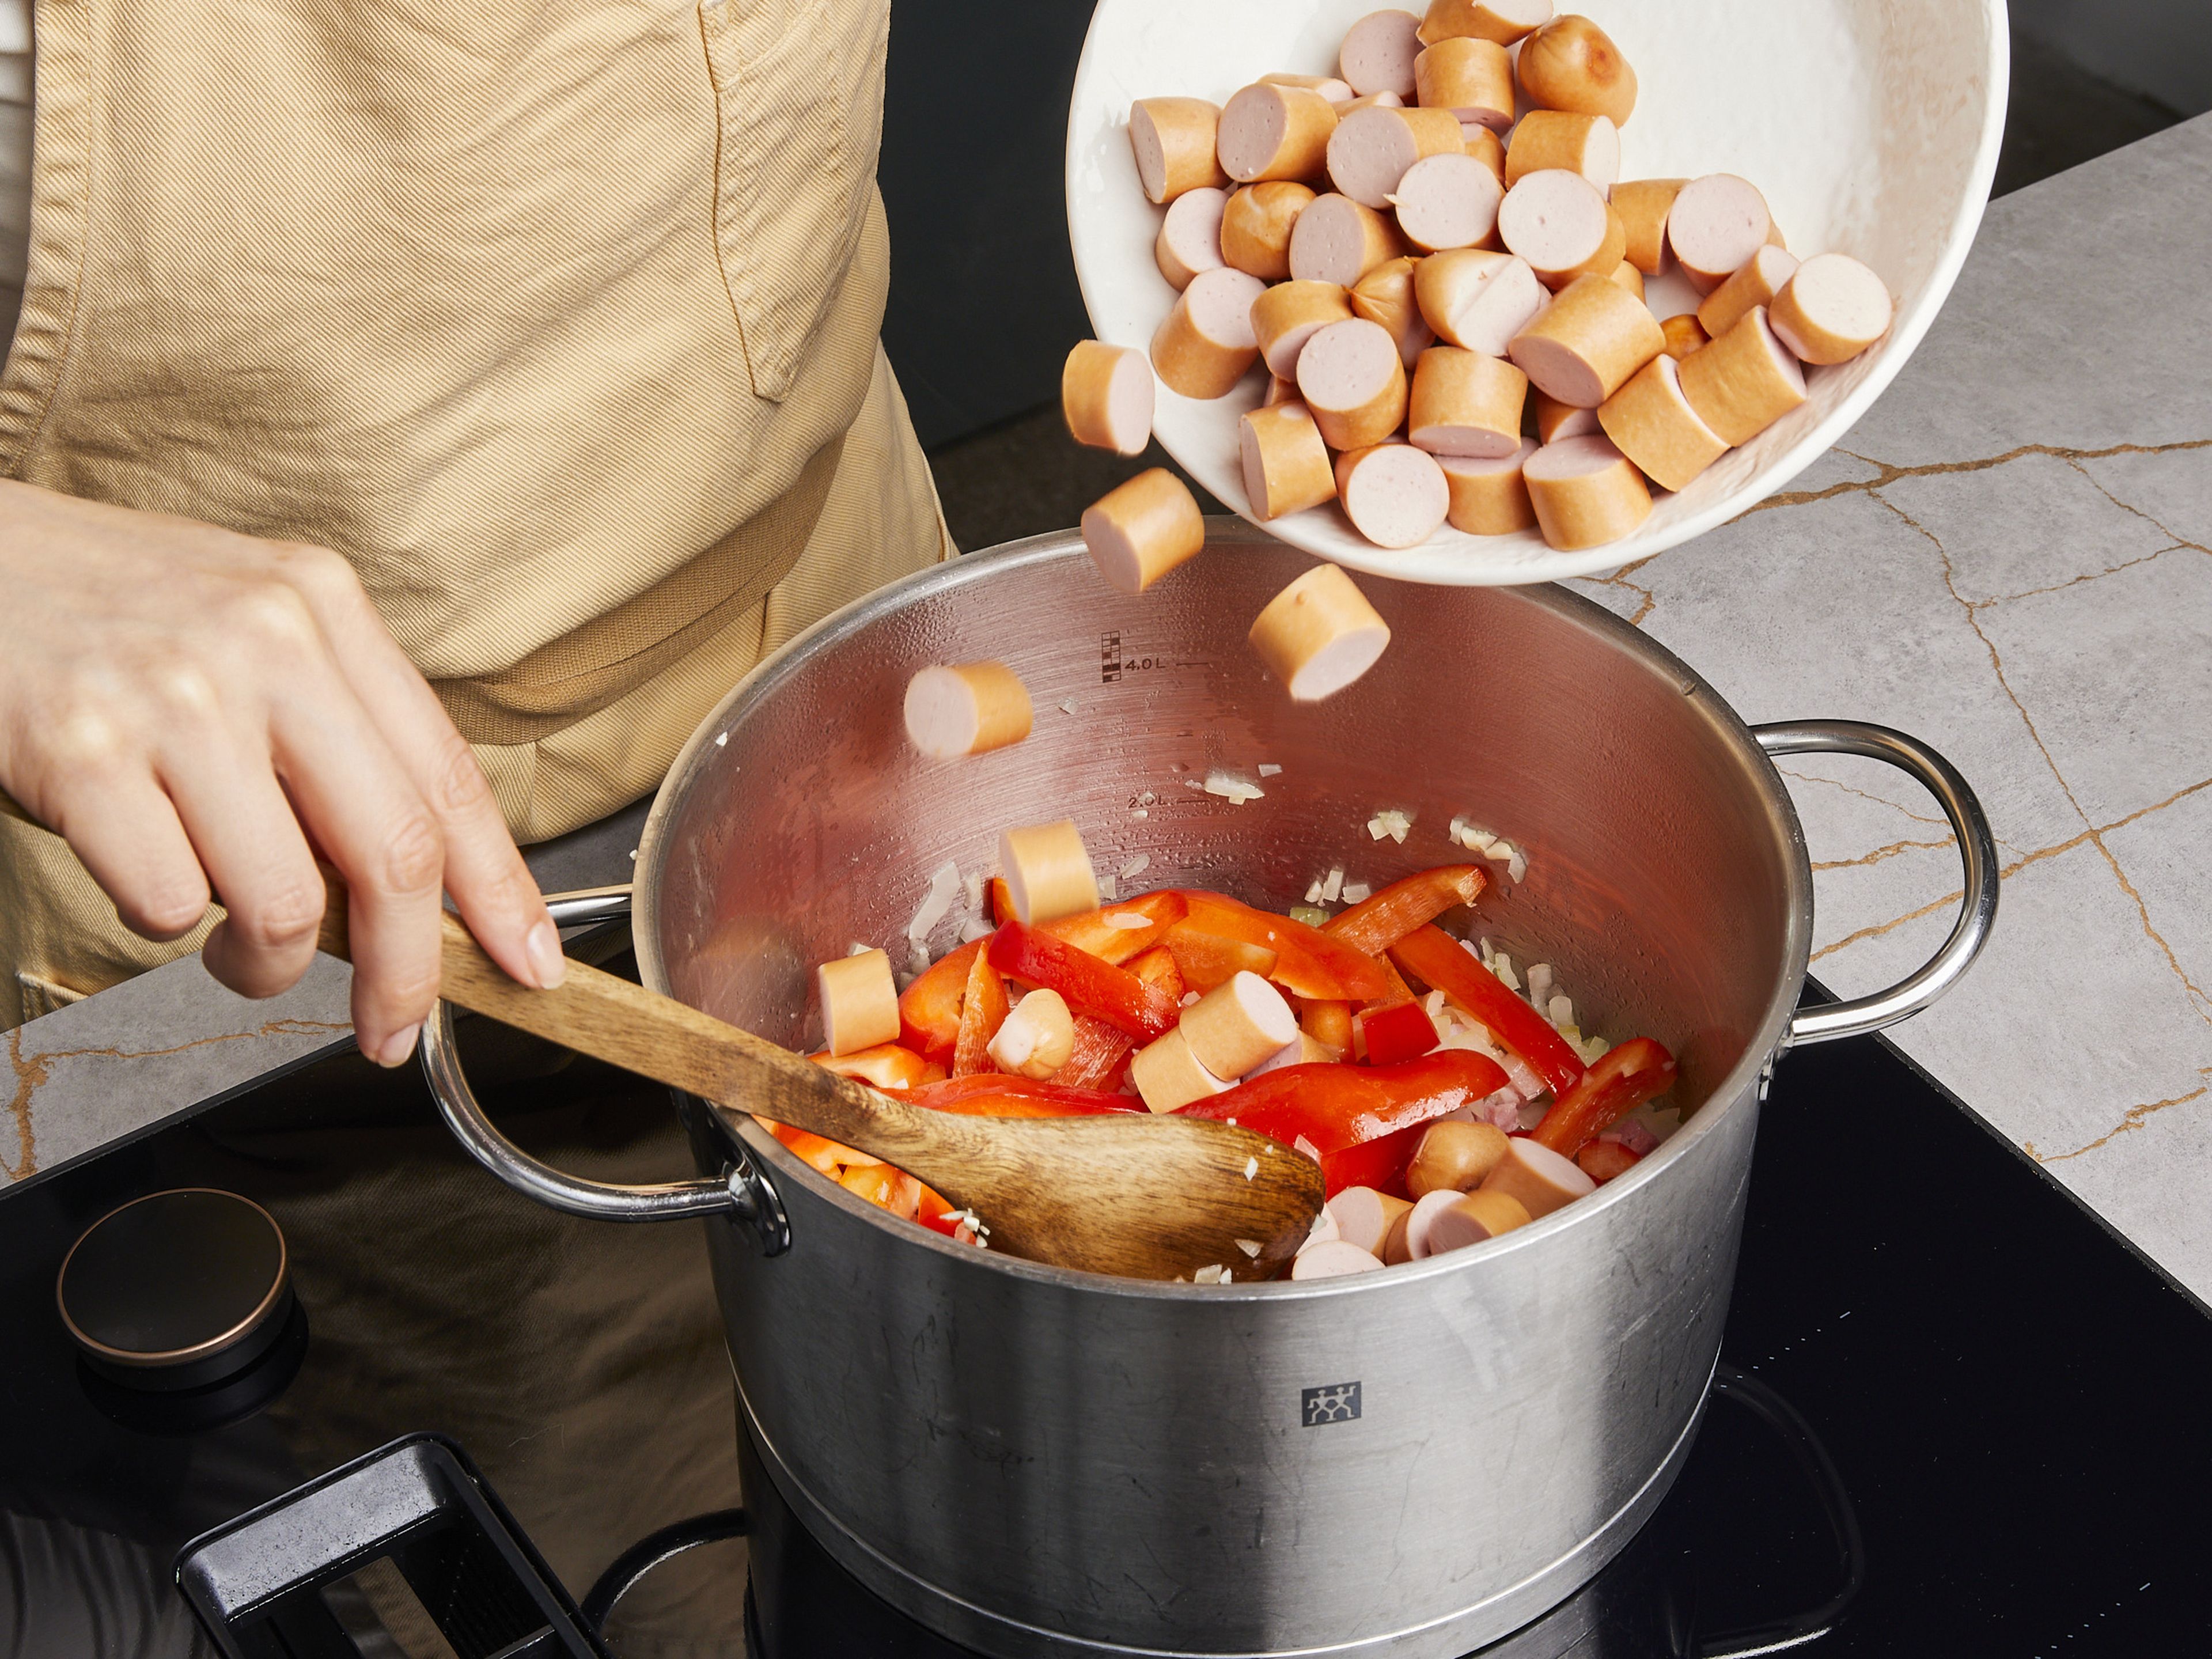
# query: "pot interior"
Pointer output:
{"type": "Point", "coordinates": [1666, 879]}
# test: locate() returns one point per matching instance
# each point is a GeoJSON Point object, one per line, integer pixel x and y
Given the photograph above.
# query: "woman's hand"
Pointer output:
{"type": "Point", "coordinates": [196, 710]}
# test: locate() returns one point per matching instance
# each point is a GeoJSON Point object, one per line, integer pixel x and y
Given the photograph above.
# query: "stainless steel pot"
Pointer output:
{"type": "Point", "coordinates": [1412, 1462]}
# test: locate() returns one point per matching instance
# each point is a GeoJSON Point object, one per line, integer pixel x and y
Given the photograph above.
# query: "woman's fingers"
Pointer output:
{"type": "Point", "coordinates": [484, 872]}
{"type": "Point", "coordinates": [124, 830]}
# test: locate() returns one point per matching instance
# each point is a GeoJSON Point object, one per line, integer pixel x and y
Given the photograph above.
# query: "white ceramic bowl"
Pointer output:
{"type": "Point", "coordinates": [1871, 125]}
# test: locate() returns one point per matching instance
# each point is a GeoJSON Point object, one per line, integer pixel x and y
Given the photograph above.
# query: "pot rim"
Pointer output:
{"type": "Point", "coordinates": [1586, 614]}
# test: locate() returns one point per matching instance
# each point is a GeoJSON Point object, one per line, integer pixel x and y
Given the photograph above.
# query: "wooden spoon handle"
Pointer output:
{"type": "Point", "coordinates": [627, 1025]}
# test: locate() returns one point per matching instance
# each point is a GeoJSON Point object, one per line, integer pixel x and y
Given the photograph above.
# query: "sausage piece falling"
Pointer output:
{"type": "Point", "coordinates": [1378, 52]}
{"type": "Point", "coordinates": [1586, 493]}
{"type": "Point", "coordinates": [1477, 299]}
{"type": "Point", "coordinates": [1571, 64]}
{"type": "Point", "coordinates": [1106, 395]}
{"type": "Point", "coordinates": [1286, 466]}
{"type": "Point", "coordinates": [1371, 149]}
{"type": "Point", "coordinates": [1048, 871]}
{"type": "Point", "coordinates": [1350, 376]}
{"type": "Point", "coordinates": [1203, 346]}
{"type": "Point", "coordinates": [860, 1002]}
{"type": "Point", "coordinates": [1238, 1025]}
{"type": "Point", "coordinates": [1471, 77]}
{"type": "Point", "coordinates": [1288, 315]}
{"type": "Point", "coordinates": [969, 708]}
{"type": "Point", "coordinates": [1502, 21]}
{"type": "Point", "coordinates": [1385, 296]}
{"type": "Point", "coordinates": [1547, 139]}
{"type": "Point", "coordinates": [1320, 634]}
{"type": "Point", "coordinates": [1714, 225]}
{"type": "Point", "coordinates": [1466, 403]}
{"type": "Point", "coordinates": [1274, 132]}
{"type": "Point", "coordinates": [1190, 241]}
{"type": "Point", "coordinates": [1587, 342]}
{"type": "Point", "coordinates": [1755, 283]}
{"type": "Point", "coordinates": [1643, 205]}
{"type": "Point", "coordinates": [1650, 421]}
{"type": "Point", "coordinates": [1831, 308]}
{"type": "Point", "coordinates": [1559, 221]}
{"type": "Point", "coordinates": [1745, 381]}
{"type": "Point", "coordinates": [1336, 240]}
{"type": "Point", "coordinates": [1489, 497]}
{"type": "Point", "coordinates": [1255, 227]}
{"type": "Point", "coordinates": [1394, 494]}
{"type": "Point", "coordinates": [1140, 529]}
{"type": "Point", "coordinates": [1175, 141]}
{"type": "Point", "coordinates": [1446, 202]}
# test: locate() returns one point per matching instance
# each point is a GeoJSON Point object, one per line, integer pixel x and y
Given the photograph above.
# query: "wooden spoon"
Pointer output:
{"type": "Point", "coordinates": [1146, 1196]}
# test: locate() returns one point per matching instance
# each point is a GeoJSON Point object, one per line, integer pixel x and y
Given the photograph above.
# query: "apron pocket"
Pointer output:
{"type": "Point", "coordinates": [798, 91]}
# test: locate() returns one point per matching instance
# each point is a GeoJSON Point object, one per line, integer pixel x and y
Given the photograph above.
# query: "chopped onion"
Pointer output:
{"type": "Point", "coordinates": [1332, 886]}
{"type": "Point", "coordinates": [1207, 1275]}
{"type": "Point", "coordinates": [1127, 922]}
{"type": "Point", "coordinates": [1068, 707]}
{"type": "Point", "coordinates": [1311, 914]}
{"type": "Point", "coordinates": [1136, 866]}
{"type": "Point", "coordinates": [1268, 770]}
{"type": "Point", "coordinates": [1106, 887]}
{"type": "Point", "coordinates": [1251, 1246]}
{"type": "Point", "coordinates": [1231, 788]}
{"type": "Point", "coordinates": [1356, 892]}
{"type": "Point", "coordinates": [944, 888]}
{"type": "Point", "coordinates": [1306, 1147]}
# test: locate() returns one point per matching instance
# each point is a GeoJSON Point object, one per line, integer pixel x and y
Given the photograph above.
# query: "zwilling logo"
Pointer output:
{"type": "Point", "coordinates": [1339, 1402]}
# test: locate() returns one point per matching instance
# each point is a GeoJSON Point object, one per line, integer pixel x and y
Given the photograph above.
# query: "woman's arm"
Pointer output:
{"type": "Point", "coordinates": [196, 711]}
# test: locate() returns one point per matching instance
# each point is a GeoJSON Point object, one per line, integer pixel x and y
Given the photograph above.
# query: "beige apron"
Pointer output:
{"type": "Point", "coordinates": [558, 320]}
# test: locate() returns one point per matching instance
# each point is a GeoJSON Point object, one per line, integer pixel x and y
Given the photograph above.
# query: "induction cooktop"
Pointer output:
{"type": "Point", "coordinates": [1956, 1414]}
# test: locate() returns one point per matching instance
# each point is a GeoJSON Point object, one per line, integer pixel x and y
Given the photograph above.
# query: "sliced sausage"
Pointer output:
{"type": "Point", "coordinates": [1715, 224]}
{"type": "Point", "coordinates": [1363, 1216]}
{"type": "Point", "coordinates": [1588, 145]}
{"type": "Point", "coordinates": [1587, 342]}
{"type": "Point", "coordinates": [1532, 1173]}
{"type": "Point", "coordinates": [1394, 494]}
{"type": "Point", "coordinates": [1558, 222]}
{"type": "Point", "coordinates": [1372, 100]}
{"type": "Point", "coordinates": [1204, 344]}
{"type": "Point", "coordinates": [1350, 376]}
{"type": "Point", "coordinates": [1502, 21]}
{"type": "Point", "coordinates": [1487, 147]}
{"type": "Point", "coordinates": [1471, 77]}
{"type": "Point", "coordinates": [1174, 140]}
{"type": "Point", "coordinates": [860, 1002]}
{"type": "Point", "coordinates": [1425, 1210]}
{"type": "Point", "coordinates": [1255, 227]}
{"type": "Point", "coordinates": [1571, 64]}
{"type": "Point", "coordinates": [1286, 316]}
{"type": "Point", "coordinates": [1280, 390]}
{"type": "Point", "coordinates": [1556, 419]}
{"type": "Point", "coordinates": [1332, 1258]}
{"type": "Point", "coordinates": [1143, 528]}
{"type": "Point", "coordinates": [1169, 1076]}
{"type": "Point", "coordinates": [1237, 1024]}
{"type": "Point", "coordinates": [1628, 277]}
{"type": "Point", "coordinates": [1452, 1156]}
{"type": "Point", "coordinates": [1447, 201]}
{"type": "Point", "coordinates": [1586, 493]}
{"type": "Point", "coordinates": [1643, 205]}
{"type": "Point", "coordinates": [1336, 91]}
{"type": "Point", "coordinates": [1371, 149]}
{"type": "Point", "coordinates": [1477, 299]}
{"type": "Point", "coordinates": [1650, 421]}
{"type": "Point", "coordinates": [1319, 634]}
{"type": "Point", "coordinates": [1286, 467]}
{"type": "Point", "coordinates": [1684, 334]}
{"type": "Point", "coordinates": [1190, 235]}
{"type": "Point", "coordinates": [1385, 296]}
{"type": "Point", "coordinates": [1831, 308]}
{"type": "Point", "coordinates": [1475, 1219]}
{"type": "Point", "coordinates": [1336, 240]}
{"type": "Point", "coordinates": [1378, 52]}
{"type": "Point", "coordinates": [969, 708]}
{"type": "Point", "coordinates": [1465, 403]}
{"type": "Point", "coordinates": [1745, 381]}
{"type": "Point", "coordinates": [1489, 498]}
{"type": "Point", "coordinates": [1275, 132]}
{"type": "Point", "coordinates": [1754, 282]}
{"type": "Point", "coordinates": [1106, 395]}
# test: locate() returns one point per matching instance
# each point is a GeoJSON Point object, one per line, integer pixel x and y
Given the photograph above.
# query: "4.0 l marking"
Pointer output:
{"type": "Point", "coordinates": [1112, 664]}
{"type": "Point", "coordinates": [1333, 1402]}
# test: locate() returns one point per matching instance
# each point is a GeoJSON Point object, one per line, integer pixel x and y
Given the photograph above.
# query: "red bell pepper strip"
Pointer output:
{"type": "Point", "coordinates": [983, 1009]}
{"type": "Point", "coordinates": [1093, 931]}
{"type": "Point", "coordinates": [1431, 954]}
{"type": "Point", "coordinates": [1380, 1163]}
{"type": "Point", "coordinates": [1381, 920]}
{"type": "Point", "coordinates": [1308, 962]}
{"type": "Point", "coordinates": [1327, 1022]}
{"type": "Point", "coordinates": [998, 1094]}
{"type": "Point", "coordinates": [1606, 1160]}
{"type": "Point", "coordinates": [887, 1065]}
{"type": "Point", "coordinates": [1334, 1107]}
{"type": "Point", "coordinates": [1157, 967]}
{"type": "Point", "coordinates": [929, 1009]}
{"type": "Point", "coordinates": [1622, 1079]}
{"type": "Point", "coordinates": [1206, 958]}
{"type": "Point", "coordinates": [1114, 995]}
{"type": "Point", "coordinates": [1399, 1032]}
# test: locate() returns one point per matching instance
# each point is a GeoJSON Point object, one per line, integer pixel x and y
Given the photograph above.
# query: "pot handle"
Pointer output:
{"type": "Point", "coordinates": [743, 1192]}
{"type": "Point", "coordinates": [1977, 851]}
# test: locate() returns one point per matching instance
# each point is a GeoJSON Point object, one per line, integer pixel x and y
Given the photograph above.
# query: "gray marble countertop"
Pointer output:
{"type": "Point", "coordinates": [2008, 557]}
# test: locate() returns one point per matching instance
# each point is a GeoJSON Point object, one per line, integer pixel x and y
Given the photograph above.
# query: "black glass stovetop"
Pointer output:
{"type": "Point", "coordinates": [2010, 1399]}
